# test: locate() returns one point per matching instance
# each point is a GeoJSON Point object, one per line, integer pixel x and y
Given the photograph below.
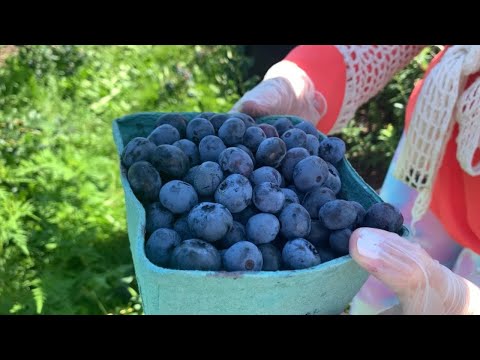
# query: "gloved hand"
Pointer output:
{"type": "Point", "coordinates": [285, 90]}
{"type": "Point", "coordinates": [423, 285]}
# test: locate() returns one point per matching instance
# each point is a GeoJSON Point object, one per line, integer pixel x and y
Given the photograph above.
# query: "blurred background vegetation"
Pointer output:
{"type": "Point", "coordinates": [63, 239]}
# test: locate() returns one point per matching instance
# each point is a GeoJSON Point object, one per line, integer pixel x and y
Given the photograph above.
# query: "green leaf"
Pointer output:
{"type": "Point", "coordinates": [39, 298]}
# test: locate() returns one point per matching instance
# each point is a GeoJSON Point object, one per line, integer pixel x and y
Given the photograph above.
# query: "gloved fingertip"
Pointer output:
{"type": "Point", "coordinates": [253, 108]}
{"type": "Point", "coordinates": [368, 247]}
{"type": "Point", "coordinates": [364, 247]}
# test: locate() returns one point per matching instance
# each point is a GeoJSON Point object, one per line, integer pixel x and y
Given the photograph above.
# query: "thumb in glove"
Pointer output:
{"type": "Point", "coordinates": [285, 90]}
{"type": "Point", "coordinates": [422, 284]}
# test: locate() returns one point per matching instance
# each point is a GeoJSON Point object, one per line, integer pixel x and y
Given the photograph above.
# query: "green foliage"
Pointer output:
{"type": "Point", "coordinates": [63, 240]}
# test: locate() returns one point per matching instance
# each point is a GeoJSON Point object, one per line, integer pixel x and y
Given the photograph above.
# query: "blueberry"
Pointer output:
{"type": "Point", "coordinates": [310, 173]}
{"type": "Point", "coordinates": [235, 234]}
{"type": "Point", "coordinates": [292, 158]}
{"type": "Point", "coordinates": [157, 217]}
{"type": "Point", "coordinates": [269, 130]}
{"type": "Point", "coordinates": [182, 228]}
{"type": "Point", "coordinates": [312, 144]}
{"type": "Point", "coordinates": [326, 254]}
{"type": "Point", "coordinates": [338, 214]}
{"type": "Point", "coordinates": [232, 131]}
{"type": "Point", "coordinates": [333, 181]}
{"type": "Point", "coordinates": [247, 150]}
{"type": "Point", "coordinates": [262, 228]}
{"type": "Point", "coordinates": [272, 257]}
{"type": "Point", "coordinates": [164, 134]}
{"type": "Point", "coordinates": [339, 241]}
{"type": "Point", "coordinates": [190, 149]}
{"type": "Point", "coordinates": [243, 216]}
{"type": "Point", "coordinates": [300, 254]}
{"type": "Point", "coordinates": [384, 216]}
{"type": "Point", "coordinates": [332, 149]}
{"type": "Point", "coordinates": [247, 119]}
{"type": "Point", "coordinates": [178, 121]}
{"type": "Point", "coordinates": [178, 196]}
{"type": "Point", "coordinates": [195, 254]}
{"type": "Point", "coordinates": [308, 128]}
{"type": "Point", "coordinates": [282, 125]}
{"type": "Point", "coordinates": [144, 181]}
{"type": "Point", "coordinates": [294, 222]}
{"type": "Point", "coordinates": [160, 245]}
{"type": "Point", "coordinates": [360, 213]}
{"type": "Point", "coordinates": [198, 128]}
{"type": "Point", "coordinates": [235, 161]}
{"type": "Point", "coordinates": [235, 193]}
{"type": "Point", "coordinates": [300, 194]}
{"type": "Point", "coordinates": [271, 152]}
{"type": "Point", "coordinates": [222, 253]}
{"type": "Point", "coordinates": [294, 138]}
{"type": "Point", "coordinates": [210, 221]}
{"type": "Point", "coordinates": [210, 148]}
{"type": "Point", "coordinates": [315, 199]}
{"type": "Point", "coordinates": [190, 175]}
{"type": "Point", "coordinates": [218, 120]}
{"type": "Point", "coordinates": [206, 178]}
{"type": "Point", "coordinates": [243, 256]}
{"type": "Point", "coordinates": [319, 234]}
{"type": "Point", "coordinates": [138, 149]}
{"type": "Point", "coordinates": [206, 115]}
{"type": "Point", "coordinates": [268, 197]}
{"type": "Point", "coordinates": [290, 197]}
{"type": "Point", "coordinates": [265, 174]}
{"type": "Point", "coordinates": [170, 161]}
{"type": "Point", "coordinates": [254, 135]}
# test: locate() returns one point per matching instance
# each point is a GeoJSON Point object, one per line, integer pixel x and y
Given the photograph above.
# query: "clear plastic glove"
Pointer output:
{"type": "Point", "coordinates": [423, 285]}
{"type": "Point", "coordinates": [285, 90]}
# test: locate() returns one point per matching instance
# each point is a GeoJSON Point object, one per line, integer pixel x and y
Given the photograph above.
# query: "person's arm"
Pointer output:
{"type": "Point", "coordinates": [364, 71]}
{"type": "Point", "coordinates": [326, 81]}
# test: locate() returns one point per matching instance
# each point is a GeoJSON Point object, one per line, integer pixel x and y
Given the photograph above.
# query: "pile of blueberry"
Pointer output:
{"type": "Point", "coordinates": [222, 192]}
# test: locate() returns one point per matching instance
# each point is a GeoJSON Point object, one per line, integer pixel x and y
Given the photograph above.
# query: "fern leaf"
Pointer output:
{"type": "Point", "coordinates": [39, 298]}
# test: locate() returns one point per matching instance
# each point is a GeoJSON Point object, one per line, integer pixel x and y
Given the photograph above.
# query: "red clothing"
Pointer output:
{"type": "Point", "coordinates": [456, 195]}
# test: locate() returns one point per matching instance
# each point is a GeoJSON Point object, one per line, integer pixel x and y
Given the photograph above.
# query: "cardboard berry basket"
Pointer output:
{"type": "Point", "coordinates": [324, 289]}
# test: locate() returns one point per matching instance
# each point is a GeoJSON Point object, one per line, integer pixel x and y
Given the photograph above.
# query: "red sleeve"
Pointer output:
{"type": "Point", "coordinates": [350, 75]}
{"type": "Point", "coordinates": [325, 66]}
